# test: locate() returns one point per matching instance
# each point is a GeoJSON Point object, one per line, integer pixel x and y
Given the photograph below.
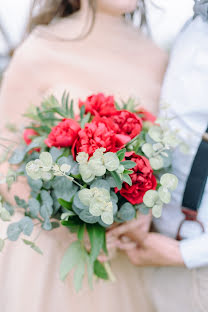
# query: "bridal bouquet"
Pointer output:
{"type": "Point", "coordinates": [89, 171]}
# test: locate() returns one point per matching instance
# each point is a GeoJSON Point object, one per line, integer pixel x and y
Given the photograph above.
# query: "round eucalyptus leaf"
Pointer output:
{"type": "Point", "coordinates": [78, 203]}
{"type": "Point", "coordinates": [86, 216]}
{"type": "Point", "coordinates": [156, 133]}
{"type": "Point", "coordinates": [107, 217]}
{"type": "Point", "coordinates": [156, 162]}
{"type": "Point", "coordinates": [56, 152]}
{"type": "Point", "coordinates": [18, 155]}
{"type": "Point", "coordinates": [99, 183]}
{"type": "Point", "coordinates": [126, 212]}
{"type": "Point", "coordinates": [169, 181]}
{"type": "Point", "coordinates": [34, 207]}
{"type": "Point", "coordinates": [26, 225]}
{"type": "Point", "coordinates": [114, 197]}
{"type": "Point", "coordinates": [148, 150]}
{"type": "Point", "coordinates": [143, 209]}
{"type": "Point", "coordinates": [164, 195]}
{"type": "Point", "coordinates": [13, 231]}
{"type": "Point", "coordinates": [157, 211]}
{"type": "Point", "coordinates": [150, 198]}
{"type": "Point", "coordinates": [115, 208]}
{"type": "Point", "coordinates": [46, 160]}
{"type": "Point", "coordinates": [46, 176]}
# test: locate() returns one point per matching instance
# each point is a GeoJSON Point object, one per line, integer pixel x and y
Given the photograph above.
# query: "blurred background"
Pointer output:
{"type": "Point", "coordinates": [165, 19]}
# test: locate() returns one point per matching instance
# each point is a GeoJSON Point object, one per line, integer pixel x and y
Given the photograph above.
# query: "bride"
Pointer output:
{"type": "Point", "coordinates": [84, 47]}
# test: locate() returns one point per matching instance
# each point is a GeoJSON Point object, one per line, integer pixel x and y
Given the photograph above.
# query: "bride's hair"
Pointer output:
{"type": "Point", "coordinates": [47, 10]}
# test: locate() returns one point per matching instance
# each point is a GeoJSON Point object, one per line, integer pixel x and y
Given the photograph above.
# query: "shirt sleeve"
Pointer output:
{"type": "Point", "coordinates": [195, 251]}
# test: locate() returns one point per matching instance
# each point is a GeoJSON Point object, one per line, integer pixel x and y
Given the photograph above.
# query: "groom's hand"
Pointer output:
{"type": "Point", "coordinates": [155, 250]}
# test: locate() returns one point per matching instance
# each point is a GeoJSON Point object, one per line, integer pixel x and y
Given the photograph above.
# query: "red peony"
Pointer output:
{"type": "Point", "coordinates": [99, 105]}
{"type": "Point", "coordinates": [64, 134]}
{"type": "Point", "coordinates": [127, 123]}
{"type": "Point", "coordinates": [145, 115]}
{"type": "Point", "coordinates": [142, 179]}
{"type": "Point", "coordinates": [99, 133]}
{"type": "Point", "coordinates": [28, 134]}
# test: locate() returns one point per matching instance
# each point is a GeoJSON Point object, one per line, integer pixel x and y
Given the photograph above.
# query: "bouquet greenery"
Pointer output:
{"type": "Point", "coordinates": [89, 171]}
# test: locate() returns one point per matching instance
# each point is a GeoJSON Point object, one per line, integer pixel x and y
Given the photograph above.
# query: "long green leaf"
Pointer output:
{"type": "Point", "coordinates": [97, 237]}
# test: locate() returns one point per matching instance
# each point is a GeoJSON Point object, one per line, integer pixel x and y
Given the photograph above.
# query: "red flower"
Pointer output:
{"type": "Point", "coordinates": [28, 134]}
{"type": "Point", "coordinates": [142, 179]}
{"type": "Point", "coordinates": [64, 134]}
{"type": "Point", "coordinates": [99, 105]}
{"type": "Point", "coordinates": [99, 133]}
{"type": "Point", "coordinates": [145, 115]}
{"type": "Point", "coordinates": [127, 123]}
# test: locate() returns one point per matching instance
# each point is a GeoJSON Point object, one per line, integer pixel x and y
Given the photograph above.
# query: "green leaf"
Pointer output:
{"type": "Point", "coordinates": [82, 111]}
{"type": "Point", "coordinates": [100, 183]}
{"type": "Point", "coordinates": [97, 237]}
{"type": "Point", "coordinates": [5, 215]}
{"type": "Point", "coordinates": [9, 208]}
{"type": "Point", "coordinates": [100, 270]}
{"type": "Point", "coordinates": [71, 111]}
{"type": "Point", "coordinates": [56, 153]}
{"type": "Point", "coordinates": [65, 204]}
{"type": "Point", "coordinates": [117, 179]}
{"type": "Point", "coordinates": [79, 274]}
{"type": "Point", "coordinates": [121, 154]}
{"type": "Point", "coordinates": [164, 195]}
{"type": "Point", "coordinates": [70, 259]}
{"type": "Point", "coordinates": [127, 179]}
{"type": "Point", "coordinates": [81, 231]}
{"type": "Point", "coordinates": [33, 246]}
{"type": "Point", "coordinates": [142, 208]}
{"type": "Point", "coordinates": [85, 120]}
{"type": "Point", "coordinates": [128, 164]}
{"type": "Point", "coordinates": [35, 185]}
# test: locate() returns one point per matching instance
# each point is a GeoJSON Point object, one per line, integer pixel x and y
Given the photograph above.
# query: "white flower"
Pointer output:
{"type": "Point", "coordinates": [86, 173]}
{"type": "Point", "coordinates": [98, 201]}
{"type": "Point", "coordinates": [82, 158]}
{"type": "Point", "coordinates": [111, 161]}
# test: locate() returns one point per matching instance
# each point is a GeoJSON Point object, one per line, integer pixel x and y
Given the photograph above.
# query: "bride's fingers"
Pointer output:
{"type": "Point", "coordinates": [126, 246]}
{"type": "Point", "coordinates": [122, 229]}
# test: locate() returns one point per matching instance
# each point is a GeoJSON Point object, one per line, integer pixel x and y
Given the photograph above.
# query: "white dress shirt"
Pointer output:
{"type": "Point", "coordinates": [186, 90]}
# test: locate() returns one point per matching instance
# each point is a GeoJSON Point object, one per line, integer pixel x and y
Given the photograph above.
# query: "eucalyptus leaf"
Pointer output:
{"type": "Point", "coordinates": [127, 179]}
{"type": "Point", "coordinates": [5, 215]}
{"type": "Point", "coordinates": [128, 164]}
{"type": "Point", "coordinates": [169, 181]}
{"type": "Point", "coordinates": [150, 198]}
{"type": "Point", "coordinates": [164, 194]}
{"type": "Point", "coordinates": [156, 162]}
{"type": "Point", "coordinates": [63, 188]}
{"type": "Point", "coordinates": [157, 211]}
{"type": "Point", "coordinates": [117, 179]}
{"type": "Point", "coordinates": [26, 225]}
{"type": "Point", "coordinates": [121, 154]}
{"type": "Point", "coordinates": [86, 216]}
{"type": "Point", "coordinates": [34, 207]}
{"type": "Point", "coordinates": [18, 155]}
{"type": "Point", "coordinates": [126, 212]}
{"type": "Point", "coordinates": [35, 185]}
{"type": "Point", "coordinates": [143, 209]}
{"type": "Point", "coordinates": [20, 202]}
{"type": "Point", "coordinates": [79, 274]}
{"type": "Point", "coordinates": [99, 183]}
{"type": "Point", "coordinates": [77, 202]}
{"type": "Point", "coordinates": [13, 231]}
{"type": "Point", "coordinates": [56, 153]}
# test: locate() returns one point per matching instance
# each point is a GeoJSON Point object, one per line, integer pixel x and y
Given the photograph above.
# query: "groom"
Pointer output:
{"type": "Point", "coordinates": [174, 260]}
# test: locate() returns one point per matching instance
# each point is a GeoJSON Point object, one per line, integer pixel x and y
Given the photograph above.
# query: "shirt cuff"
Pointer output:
{"type": "Point", "coordinates": [195, 251]}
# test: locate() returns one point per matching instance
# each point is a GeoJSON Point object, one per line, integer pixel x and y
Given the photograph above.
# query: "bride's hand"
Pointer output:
{"type": "Point", "coordinates": [130, 232]}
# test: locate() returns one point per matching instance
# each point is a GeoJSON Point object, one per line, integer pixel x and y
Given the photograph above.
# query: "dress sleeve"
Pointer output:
{"type": "Point", "coordinates": [195, 251]}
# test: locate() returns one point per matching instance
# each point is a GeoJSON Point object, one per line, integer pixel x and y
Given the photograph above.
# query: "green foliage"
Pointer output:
{"type": "Point", "coordinates": [34, 207]}
{"type": "Point", "coordinates": [33, 246]}
{"type": "Point", "coordinates": [100, 270]}
{"type": "Point", "coordinates": [121, 154]}
{"type": "Point", "coordinates": [85, 120]}
{"type": "Point", "coordinates": [97, 239]}
{"type": "Point", "coordinates": [20, 202]}
{"type": "Point", "coordinates": [128, 164]}
{"type": "Point", "coordinates": [117, 179]}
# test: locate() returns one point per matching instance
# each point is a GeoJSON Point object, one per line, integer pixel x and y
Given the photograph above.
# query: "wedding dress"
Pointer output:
{"type": "Point", "coordinates": [114, 59]}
